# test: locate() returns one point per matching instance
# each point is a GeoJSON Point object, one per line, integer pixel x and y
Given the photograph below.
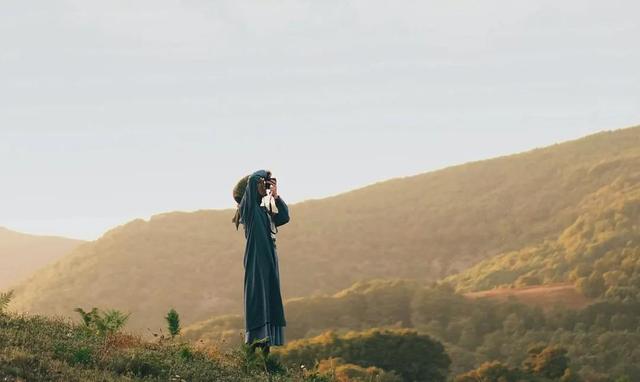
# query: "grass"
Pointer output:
{"type": "Point", "coordinates": [40, 348]}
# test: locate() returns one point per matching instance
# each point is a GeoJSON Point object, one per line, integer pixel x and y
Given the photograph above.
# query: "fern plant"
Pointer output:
{"type": "Point", "coordinates": [112, 321]}
{"type": "Point", "coordinates": [88, 317]}
{"type": "Point", "coordinates": [5, 298]}
{"type": "Point", "coordinates": [103, 323]}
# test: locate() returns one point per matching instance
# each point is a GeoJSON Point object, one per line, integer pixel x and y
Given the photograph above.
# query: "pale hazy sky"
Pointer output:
{"type": "Point", "coordinates": [112, 110]}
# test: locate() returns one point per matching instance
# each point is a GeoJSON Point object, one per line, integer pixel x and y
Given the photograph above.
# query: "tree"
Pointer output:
{"type": "Point", "coordinates": [413, 356]}
{"type": "Point", "coordinates": [173, 322]}
{"type": "Point", "coordinates": [548, 362]}
{"type": "Point", "coordinates": [491, 372]}
{"type": "Point", "coordinates": [592, 286]}
{"type": "Point", "coordinates": [338, 370]}
{"type": "Point", "coordinates": [570, 376]}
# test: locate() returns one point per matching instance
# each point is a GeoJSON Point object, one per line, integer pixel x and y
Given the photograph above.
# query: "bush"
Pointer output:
{"type": "Point", "coordinates": [103, 323]}
{"type": "Point", "coordinates": [415, 357]}
{"type": "Point", "coordinates": [173, 322]}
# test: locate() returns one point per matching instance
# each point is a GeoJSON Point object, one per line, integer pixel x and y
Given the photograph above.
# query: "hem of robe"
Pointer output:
{"type": "Point", "coordinates": [274, 334]}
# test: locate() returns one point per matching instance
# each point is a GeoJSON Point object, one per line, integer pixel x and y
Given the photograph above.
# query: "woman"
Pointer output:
{"type": "Point", "coordinates": [260, 213]}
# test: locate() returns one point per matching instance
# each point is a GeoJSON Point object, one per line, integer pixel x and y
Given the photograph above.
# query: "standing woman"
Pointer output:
{"type": "Point", "coordinates": [261, 210]}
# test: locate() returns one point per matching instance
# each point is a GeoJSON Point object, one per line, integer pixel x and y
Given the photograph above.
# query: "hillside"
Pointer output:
{"type": "Point", "coordinates": [379, 303]}
{"type": "Point", "coordinates": [424, 227]}
{"type": "Point", "coordinates": [601, 336]}
{"type": "Point", "coordinates": [22, 254]}
{"type": "Point", "coordinates": [39, 348]}
{"type": "Point", "coordinates": [599, 253]}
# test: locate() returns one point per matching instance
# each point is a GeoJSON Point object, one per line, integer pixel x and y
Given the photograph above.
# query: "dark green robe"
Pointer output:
{"type": "Point", "coordinates": [262, 298]}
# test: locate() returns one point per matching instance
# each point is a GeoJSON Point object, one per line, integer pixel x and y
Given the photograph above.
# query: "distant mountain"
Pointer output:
{"type": "Point", "coordinates": [424, 227]}
{"type": "Point", "coordinates": [22, 254]}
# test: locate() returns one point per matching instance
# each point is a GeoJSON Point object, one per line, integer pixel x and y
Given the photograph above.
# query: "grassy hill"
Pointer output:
{"type": "Point", "coordinates": [55, 349]}
{"type": "Point", "coordinates": [37, 348]}
{"type": "Point", "coordinates": [423, 227]}
{"type": "Point", "coordinates": [22, 254]}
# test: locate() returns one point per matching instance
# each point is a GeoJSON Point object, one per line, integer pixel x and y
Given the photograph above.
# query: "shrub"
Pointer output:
{"type": "Point", "coordinates": [103, 323]}
{"type": "Point", "coordinates": [173, 322]}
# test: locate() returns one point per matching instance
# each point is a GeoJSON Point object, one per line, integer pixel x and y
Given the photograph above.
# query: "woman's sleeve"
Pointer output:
{"type": "Point", "coordinates": [249, 202]}
{"type": "Point", "coordinates": [282, 217]}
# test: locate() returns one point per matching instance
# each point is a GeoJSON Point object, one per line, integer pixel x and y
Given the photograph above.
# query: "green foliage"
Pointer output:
{"type": "Point", "coordinates": [549, 362]}
{"type": "Point", "coordinates": [37, 348]}
{"type": "Point", "coordinates": [5, 298]}
{"type": "Point", "coordinates": [81, 356]}
{"type": "Point", "coordinates": [103, 323]}
{"type": "Point", "coordinates": [415, 357]}
{"type": "Point", "coordinates": [365, 304]}
{"type": "Point", "coordinates": [545, 364]}
{"type": "Point", "coordinates": [89, 318]}
{"type": "Point", "coordinates": [254, 359]}
{"type": "Point", "coordinates": [335, 368]}
{"type": "Point", "coordinates": [492, 372]}
{"type": "Point", "coordinates": [173, 322]}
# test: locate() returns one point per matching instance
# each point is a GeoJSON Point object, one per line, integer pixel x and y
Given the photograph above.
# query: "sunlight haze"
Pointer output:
{"type": "Point", "coordinates": [117, 110]}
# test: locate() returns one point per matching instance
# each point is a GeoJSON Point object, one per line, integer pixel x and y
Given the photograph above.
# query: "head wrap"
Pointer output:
{"type": "Point", "coordinates": [268, 202]}
{"type": "Point", "coordinates": [238, 193]}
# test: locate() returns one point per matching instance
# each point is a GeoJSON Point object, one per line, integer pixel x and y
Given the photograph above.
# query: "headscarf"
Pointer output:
{"type": "Point", "coordinates": [238, 193]}
{"type": "Point", "coordinates": [268, 201]}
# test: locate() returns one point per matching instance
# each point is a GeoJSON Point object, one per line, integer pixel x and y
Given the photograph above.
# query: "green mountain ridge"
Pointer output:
{"type": "Point", "coordinates": [422, 227]}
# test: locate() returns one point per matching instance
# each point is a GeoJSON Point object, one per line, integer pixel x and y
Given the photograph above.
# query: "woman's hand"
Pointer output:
{"type": "Point", "coordinates": [274, 188]}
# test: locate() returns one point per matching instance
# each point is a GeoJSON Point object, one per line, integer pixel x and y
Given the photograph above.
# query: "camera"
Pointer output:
{"type": "Point", "coordinates": [266, 182]}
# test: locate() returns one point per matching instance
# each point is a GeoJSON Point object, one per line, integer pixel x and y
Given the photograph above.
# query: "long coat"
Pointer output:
{"type": "Point", "coordinates": [262, 298]}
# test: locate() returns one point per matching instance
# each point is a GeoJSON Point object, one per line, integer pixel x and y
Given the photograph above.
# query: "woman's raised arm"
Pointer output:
{"type": "Point", "coordinates": [250, 201]}
{"type": "Point", "coordinates": [282, 217]}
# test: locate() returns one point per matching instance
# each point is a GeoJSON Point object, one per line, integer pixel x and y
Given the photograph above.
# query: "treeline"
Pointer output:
{"type": "Point", "coordinates": [544, 364]}
{"type": "Point", "coordinates": [402, 353]}
{"type": "Point", "coordinates": [601, 340]}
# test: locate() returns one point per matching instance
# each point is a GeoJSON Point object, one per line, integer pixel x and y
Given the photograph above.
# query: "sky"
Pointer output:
{"type": "Point", "coordinates": [122, 109]}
